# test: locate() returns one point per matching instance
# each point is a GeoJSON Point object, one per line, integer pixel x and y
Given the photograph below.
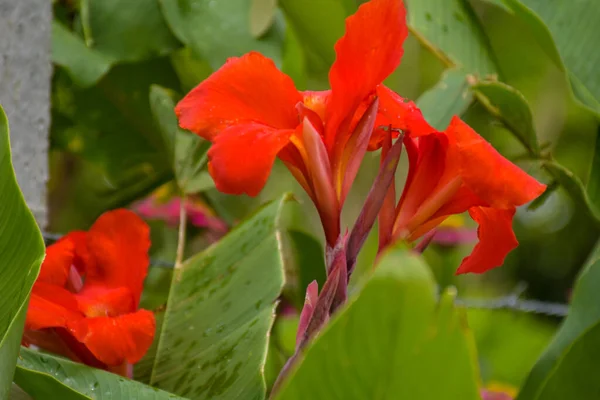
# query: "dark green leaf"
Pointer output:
{"type": "Point", "coordinates": [390, 342]}
{"type": "Point", "coordinates": [450, 96]}
{"type": "Point", "coordinates": [568, 367]}
{"type": "Point", "coordinates": [451, 30]}
{"type": "Point", "coordinates": [509, 105]}
{"type": "Point", "coordinates": [44, 376]}
{"type": "Point", "coordinates": [85, 66]}
{"type": "Point", "coordinates": [217, 30]}
{"type": "Point", "coordinates": [187, 150]}
{"type": "Point", "coordinates": [593, 186]}
{"type": "Point", "coordinates": [21, 253]}
{"type": "Point", "coordinates": [131, 30]}
{"type": "Point", "coordinates": [215, 331]}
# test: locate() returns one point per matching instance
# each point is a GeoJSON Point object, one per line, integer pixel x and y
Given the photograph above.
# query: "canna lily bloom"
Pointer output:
{"type": "Point", "coordinates": [455, 171]}
{"type": "Point", "coordinates": [253, 113]}
{"type": "Point", "coordinates": [84, 303]}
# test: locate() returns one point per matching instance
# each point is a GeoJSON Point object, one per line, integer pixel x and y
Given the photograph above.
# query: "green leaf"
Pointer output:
{"type": "Point", "coordinates": [187, 150]}
{"type": "Point", "coordinates": [509, 106]}
{"type": "Point", "coordinates": [131, 30]}
{"type": "Point", "coordinates": [450, 96]}
{"type": "Point", "coordinates": [190, 69]}
{"type": "Point", "coordinates": [215, 332]}
{"type": "Point", "coordinates": [262, 15]}
{"type": "Point", "coordinates": [85, 66]}
{"type": "Point", "coordinates": [21, 253]}
{"type": "Point", "coordinates": [390, 342]}
{"type": "Point", "coordinates": [216, 30]}
{"type": "Point", "coordinates": [451, 30]}
{"type": "Point", "coordinates": [572, 184]}
{"type": "Point", "coordinates": [572, 46]}
{"type": "Point", "coordinates": [44, 376]}
{"type": "Point", "coordinates": [318, 24]}
{"type": "Point", "coordinates": [568, 367]}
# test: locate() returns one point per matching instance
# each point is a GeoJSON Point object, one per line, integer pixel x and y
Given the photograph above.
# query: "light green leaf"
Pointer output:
{"type": "Point", "coordinates": [262, 15]}
{"type": "Point", "coordinates": [568, 367]}
{"type": "Point", "coordinates": [21, 253]}
{"type": "Point", "coordinates": [216, 30]}
{"type": "Point", "coordinates": [390, 342]}
{"type": "Point", "coordinates": [187, 150]}
{"type": "Point", "coordinates": [131, 30]}
{"type": "Point", "coordinates": [215, 332]}
{"type": "Point", "coordinates": [572, 184]}
{"type": "Point", "coordinates": [450, 96]}
{"type": "Point", "coordinates": [44, 376]}
{"type": "Point", "coordinates": [451, 30]}
{"type": "Point", "coordinates": [85, 66]}
{"type": "Point", "coordinates": [509, 106]}
{"type": "Point", "coordinates": [190, 69]}
{"type": "Point", "coordinates": [572, 46]}
{"type": "Point", "coordinates": [318, 24]}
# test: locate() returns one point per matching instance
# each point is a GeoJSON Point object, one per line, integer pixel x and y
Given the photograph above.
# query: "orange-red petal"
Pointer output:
{"type": "Point", "coordinates": [119, 242]}
{"type": "Point", "coordinates": [51, 306]}
{"type": "Point", "coordinates": [496, 239]}
{"type": "Point", "coordinates": [242, 156]}
{"type": "Point", "coordinates": [493, 178]}
{"type": "Point", "coordinates": [248, 89]}
{"type": "Point", "coordinates": [368, 52]}
{"type": "Point", "coordinates": [58, 261]}
{"type": "Point", "coordinates": [114, 340]}
{"type": "Point", "coordinates": [99, 301]}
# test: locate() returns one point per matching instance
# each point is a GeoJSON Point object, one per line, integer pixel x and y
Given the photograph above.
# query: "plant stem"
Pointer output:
{"type": "Point", "coordinates": [181, 235]}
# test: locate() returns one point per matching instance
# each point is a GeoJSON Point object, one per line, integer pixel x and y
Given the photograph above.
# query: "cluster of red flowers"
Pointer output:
{"type": "Point", "coordinates": [85, 302]}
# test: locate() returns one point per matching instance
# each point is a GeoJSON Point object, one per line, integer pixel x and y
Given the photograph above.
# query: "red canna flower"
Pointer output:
{"type": "Point", "coordinates": [84, 303]}
{"type": "Point", "coordinates": [253, 113]}
{"type": "Point", "coordinates": [455, 171]}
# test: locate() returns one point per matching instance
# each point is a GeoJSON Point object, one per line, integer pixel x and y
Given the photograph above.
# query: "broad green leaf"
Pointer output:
{"type": "Point", "coordinates": [262, 14]}
{"type": "Point", "coordinates": [451, 30]}
{"type": "Point", "coordinates": [293, 62]}
{"type": "Point", "coordinates": [85, 66]}
{"type": "Point", "coordinates": [44, 376]}
{"type": "Point", "coordinates": [390, 342]}
{"type": "Point", "coordinates": [131, 30]}
{"type": "Point", "coordinates": [572, 184]}
{"type": "Point", "coordinates": [318, 24]}
{"type": "Point", "coordinates": [568, 367]}
{"type": "Point", "coordinates": [217, 30]}
{"type": "Point", "coordinates": [509, 106]}
{"type": "Point", "coordinates": [187, 150]}
{"type": "Point", "coordinates": [190, 69]}
{"type": "Point", "coordinates": [110, 131]}
{"type": "Point", "coordinates": [142, 371]}
{"type": "Point", "coordinates": [572, 46]}
{"type": "Point", "coordinates": [16, 393]}
{"type": "Point", "coordinates": [215, 332]}
{"type": "Point", "coordinates": [450, 96]}
{"type": "Point", "coordinates": [21, 253]}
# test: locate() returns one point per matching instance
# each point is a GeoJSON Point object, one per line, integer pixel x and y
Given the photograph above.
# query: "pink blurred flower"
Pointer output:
{"type": "Point", "coordinates": [452, 236]}
{"type": "Point", "coordinates": [198, 213]}
{"type": "Point", "coordinates": [493, 395]}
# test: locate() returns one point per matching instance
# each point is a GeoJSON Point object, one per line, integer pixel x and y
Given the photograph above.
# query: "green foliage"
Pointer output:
{"type": "Point", "coordinates": [21, 253]}
{"type": "Point", "coordinates": [43, 376]}
{"type": "Point", "coordinates": [567, 369]}
{"type": "Point", "coordinates": [388, 341]}
{"type": "Point", "coordinates": [214, 338]}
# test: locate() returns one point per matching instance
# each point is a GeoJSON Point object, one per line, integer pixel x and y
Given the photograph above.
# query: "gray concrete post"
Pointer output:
{"type": "Point", "coordinates": [25, 73]}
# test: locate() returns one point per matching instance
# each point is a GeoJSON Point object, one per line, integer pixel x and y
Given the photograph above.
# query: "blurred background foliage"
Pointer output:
{"type": "Point", "coordinates": [120, 65]}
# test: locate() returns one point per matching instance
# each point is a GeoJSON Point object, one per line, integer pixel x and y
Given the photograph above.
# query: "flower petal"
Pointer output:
{"type": "Point", "coordinates": [58, 261]}
{"type": "Point", "coordinates": [99, 301]}
{"type": "Point", "coordinates": [496, 239]}
{"type": "Point", "coordinates": [368, 52]}
{"type": "Point", "coordinates": [493, 178]}
{"type": "Point", "coordinates": [246, 89]}
{"type": "Point", "coordinates": [115, 340]}
{"type": "Point", "coordinates": [119, 242]}
{"type": "Point", "coordinates": [50, 306]}
{"type": "Point", "coordinates": [242, 157]}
